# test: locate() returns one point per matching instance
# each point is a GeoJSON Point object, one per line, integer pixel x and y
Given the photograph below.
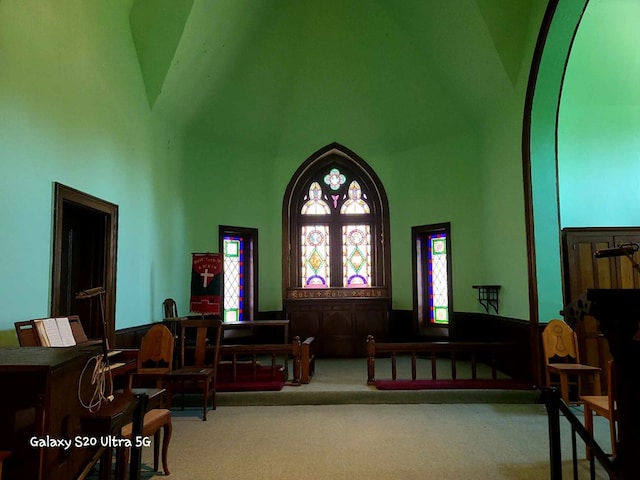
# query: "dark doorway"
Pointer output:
{"type": "Point", "coordinates": [84, 257]}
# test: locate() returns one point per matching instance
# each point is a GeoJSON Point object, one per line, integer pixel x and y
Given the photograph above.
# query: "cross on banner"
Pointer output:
{"type": "Point", "coordinates": [205, 277]}
{"type": "Point", "coordinates": [206, 283]}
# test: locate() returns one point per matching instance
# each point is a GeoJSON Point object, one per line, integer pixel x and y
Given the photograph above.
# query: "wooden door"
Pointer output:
{"type": "Point", "coordinates": [582, 270]}
{"type": "Point", "coordinates": [84, 257]}
{"type": "Point", "coordinates": [82, 261]}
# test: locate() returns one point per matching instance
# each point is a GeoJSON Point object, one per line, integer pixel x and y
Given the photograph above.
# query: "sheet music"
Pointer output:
{"type": "Point", "coordinates": [42, 333]}
{"type": "Point", "coordinates": [53, 333]}
{"type": "Point", "coordinates": [66, 334]}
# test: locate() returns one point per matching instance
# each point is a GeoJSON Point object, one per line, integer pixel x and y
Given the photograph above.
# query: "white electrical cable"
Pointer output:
{"type": "Point", "coordinates": [99, 381]}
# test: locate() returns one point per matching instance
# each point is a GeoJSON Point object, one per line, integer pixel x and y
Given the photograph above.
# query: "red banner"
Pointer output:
{"type": "Point", "coordinates": [206, 283]}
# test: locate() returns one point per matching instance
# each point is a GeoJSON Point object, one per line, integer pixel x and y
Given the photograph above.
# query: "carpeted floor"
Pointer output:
{"type": "Point", "coordinates": [460, 435]}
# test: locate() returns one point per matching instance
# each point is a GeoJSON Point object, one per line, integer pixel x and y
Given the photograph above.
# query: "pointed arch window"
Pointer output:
{"type": "Point", "coordinates": [335, 221]}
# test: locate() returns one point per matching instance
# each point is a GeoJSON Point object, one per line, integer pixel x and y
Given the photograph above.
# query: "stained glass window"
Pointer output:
{"type": "Point", "coordinates": [354, 203]}
{"type": "Point", "coordinates": [356, 255]}
{"type": "Point", "coordinates": [437, 279]}
{"type": "Point", "coordinates": [315, 205]}
{"type": "Point", "coordinates": [233, 278]}
{"type": "Point", "coordinates": [340, 199]}
{"type": "Point", "coordinates": [334, 224]}
{"type": "Point", "coordinates": [315, 258]}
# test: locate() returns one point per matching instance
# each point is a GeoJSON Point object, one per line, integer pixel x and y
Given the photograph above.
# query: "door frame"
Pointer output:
{"type": "Point", "coordinates": [63, 196]}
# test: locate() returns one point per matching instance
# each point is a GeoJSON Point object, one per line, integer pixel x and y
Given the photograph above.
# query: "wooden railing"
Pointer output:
{"type": "Point", "coordinates": [432, 350]}
{"type": "Point", "coordinates": [557, 408]}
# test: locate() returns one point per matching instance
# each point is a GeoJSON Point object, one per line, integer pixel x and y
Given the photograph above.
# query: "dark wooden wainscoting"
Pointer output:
{"type": "Point", "coordinates": [514, 361]}
{"type": "Point", "coordinates": [339, 319]}
{"type": "Point", "coordinates": [131, 337]}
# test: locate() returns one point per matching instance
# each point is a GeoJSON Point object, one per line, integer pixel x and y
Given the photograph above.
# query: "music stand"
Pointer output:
{"type": "Point", "coordinates": [89, 294]}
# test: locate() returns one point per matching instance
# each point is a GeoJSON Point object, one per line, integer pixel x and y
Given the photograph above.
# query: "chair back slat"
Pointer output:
{"type": "Point", "coordinates": [207, 336]}
{"type": "Point", "coordinates": [156, 348]}
{"type": "Point", "coordinates": [559, 340]}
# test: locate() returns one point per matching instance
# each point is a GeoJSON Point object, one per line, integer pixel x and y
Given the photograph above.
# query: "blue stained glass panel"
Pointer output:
{"type": "Point", "coordinates": [234, 280]}
{"type": "Point", "coordinates": [437, 279]}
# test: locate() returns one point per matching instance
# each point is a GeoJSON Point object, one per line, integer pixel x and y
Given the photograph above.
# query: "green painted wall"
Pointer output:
{"type": "Point", "coordinates": [599, 125]}
{"type": "Point", "coordinates": [73, 110]}
{"type": "Point", "coordinates": [543, 159]}
{"type": "Point", "coordinates": [597, 132]}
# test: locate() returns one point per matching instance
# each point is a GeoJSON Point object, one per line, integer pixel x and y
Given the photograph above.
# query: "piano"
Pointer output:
{"type": "Point", "coordinates": [40, 406]}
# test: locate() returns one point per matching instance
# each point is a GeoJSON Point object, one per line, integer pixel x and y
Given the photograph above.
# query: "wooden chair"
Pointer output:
{"type": "Point", "coordinates": [199, 361]}
{"type": "Point", "coordinates": [605, 406]}
{"type": "Point", "coordinates": [559, 341]}
{"type": "Point", "coordinates": [155, 358]}
{"type": "Point", "coordinates": [154, 420]}
{"type": "Point", "coordinates": [169, 308]}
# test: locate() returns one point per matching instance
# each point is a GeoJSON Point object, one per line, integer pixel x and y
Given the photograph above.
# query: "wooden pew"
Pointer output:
{"type": "Point", "coordinates": [243, 357]}
{"type": "Point", "coordinates": [307, 360]}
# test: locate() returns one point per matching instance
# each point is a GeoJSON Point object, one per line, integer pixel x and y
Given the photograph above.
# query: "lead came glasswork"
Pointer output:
{"type": "Point", "coordinates": [335, 179]}
{"type": "Point", "coordinates": [233, 278]}
{"type": "Point", "coordinates": [438, 289]}
{"type": "Point", "coordinates": [314, 243]}
{"type": "Point", "coordinates": [315, 205]}
{"type": "Point", "coordinates": [356, 255]}
{"type": "Point", "coordinates": [355, 203]}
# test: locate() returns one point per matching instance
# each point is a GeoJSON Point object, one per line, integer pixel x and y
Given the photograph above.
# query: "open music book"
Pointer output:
{"type": "Point", "coordinates": [55, 332]}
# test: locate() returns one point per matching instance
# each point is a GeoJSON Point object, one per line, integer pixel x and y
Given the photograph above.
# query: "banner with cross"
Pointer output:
{"type": "Point", "coordinates": [206, 283]}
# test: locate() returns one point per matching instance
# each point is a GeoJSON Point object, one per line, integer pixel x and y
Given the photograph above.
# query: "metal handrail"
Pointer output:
{"type": "Point", "coordinates": [555, 405]}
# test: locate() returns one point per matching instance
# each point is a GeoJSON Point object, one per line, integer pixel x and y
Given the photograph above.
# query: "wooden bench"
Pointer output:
{"type": "Point", "coordinates": [433, 350]}
{"type": "Point", "coordinates": [239, 363]}
{"type": "Point", "coordinates": [307, 360]}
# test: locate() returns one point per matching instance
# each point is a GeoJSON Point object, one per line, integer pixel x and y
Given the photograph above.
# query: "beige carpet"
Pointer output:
{"type": "Point", "coordinates": [496, 436]}
{"type": "Point", "coordinates": [373, 442]}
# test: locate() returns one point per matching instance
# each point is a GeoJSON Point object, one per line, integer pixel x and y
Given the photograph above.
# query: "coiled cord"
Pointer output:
{"type": "Point", "coordinates": [99, 381]}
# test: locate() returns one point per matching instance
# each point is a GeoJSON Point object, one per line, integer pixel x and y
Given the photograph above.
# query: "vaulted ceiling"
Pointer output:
{"type": "Point", "coordinates": [245, 70]}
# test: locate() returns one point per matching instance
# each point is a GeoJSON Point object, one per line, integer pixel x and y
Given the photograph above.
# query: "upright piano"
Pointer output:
{"type": "Point", "coordinates": [40, 407]}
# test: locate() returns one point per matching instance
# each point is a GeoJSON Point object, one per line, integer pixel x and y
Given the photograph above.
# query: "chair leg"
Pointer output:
{"type": "Point", "coordinates": [206, 399]}
{"type": "Point", "coordinates": [596, 384]}
{"type": "Point", "coordinates": [588, 425]}
{"type": "Point", "coordinates": [156, 449]}
{"type": "Point", "coordinates": [166, 438]}
{"type": "Point", "coordinates": [122, 460]}
{"type": "Point", "coordinates": [613, 434]}
{"type": "Point", "coordinates": [564, 387]}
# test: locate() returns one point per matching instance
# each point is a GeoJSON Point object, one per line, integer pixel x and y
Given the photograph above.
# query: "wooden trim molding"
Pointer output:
{"type": "Point", "coordinates": [63, 196]}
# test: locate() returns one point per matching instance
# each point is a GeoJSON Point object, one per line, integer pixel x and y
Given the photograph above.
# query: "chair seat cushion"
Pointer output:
{"type": "Point", "coordinates": [153, 420]}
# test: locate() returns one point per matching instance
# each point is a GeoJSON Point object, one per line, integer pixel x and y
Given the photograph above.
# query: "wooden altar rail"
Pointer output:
{"type": "Point", "coordinates": [300, 352]}
{"type": "Point", "coordinates": [431, 349]}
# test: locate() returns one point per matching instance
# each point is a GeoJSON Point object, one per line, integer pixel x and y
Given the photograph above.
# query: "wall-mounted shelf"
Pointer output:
{"type": "Point", "coordinates": [488, 296]}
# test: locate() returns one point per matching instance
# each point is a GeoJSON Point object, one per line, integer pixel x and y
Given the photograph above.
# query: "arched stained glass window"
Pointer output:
{"type": "Point", "coordinates": [315, 205]}
{"type": "Point", "coordinates": [354, 203]}
{"type": "Point", "coordinates": [335, 223]}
